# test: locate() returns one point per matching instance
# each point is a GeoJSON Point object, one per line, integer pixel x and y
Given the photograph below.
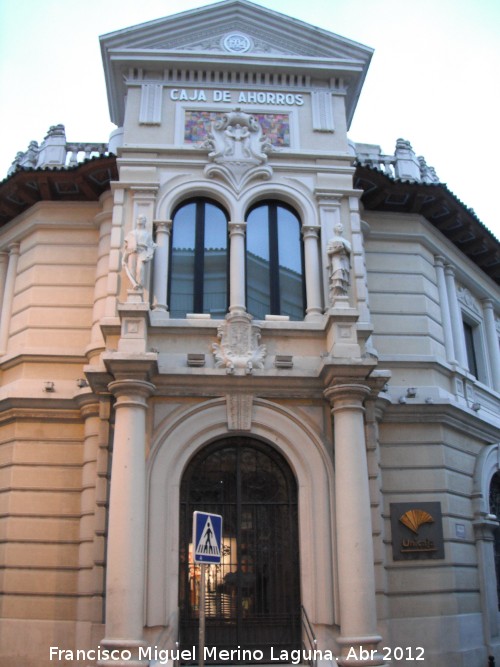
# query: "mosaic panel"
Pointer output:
{"type": "Point", "coordinates": [275, 126]}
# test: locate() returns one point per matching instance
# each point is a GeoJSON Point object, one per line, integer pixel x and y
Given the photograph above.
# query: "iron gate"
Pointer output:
{"type": "Point", "coordinates": [253, 596]}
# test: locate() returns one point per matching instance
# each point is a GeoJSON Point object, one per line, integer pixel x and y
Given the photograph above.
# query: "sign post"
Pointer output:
{"type": "Point", "coordinates": [207, 549]}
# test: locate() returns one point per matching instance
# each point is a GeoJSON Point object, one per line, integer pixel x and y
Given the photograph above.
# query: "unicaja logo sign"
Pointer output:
{"type": "Point", "coordinates": [417, 531]}
{"type": "Point", "coordinates": [413, 519]}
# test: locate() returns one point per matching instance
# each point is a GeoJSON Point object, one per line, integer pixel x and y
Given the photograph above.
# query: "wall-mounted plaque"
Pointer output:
{"type": "Point", "coordinates": [417, 531]}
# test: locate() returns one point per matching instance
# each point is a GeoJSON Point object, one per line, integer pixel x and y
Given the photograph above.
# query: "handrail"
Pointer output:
{"type": "Point", "coordinates": [312, 642]}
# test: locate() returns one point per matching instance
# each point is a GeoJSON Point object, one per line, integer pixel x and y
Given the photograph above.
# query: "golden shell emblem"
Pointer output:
{"type": "Point", "coordinates": [413, 519]}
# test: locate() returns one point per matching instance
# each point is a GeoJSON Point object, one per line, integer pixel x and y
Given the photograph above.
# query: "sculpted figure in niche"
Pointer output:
{"type": "Point", "coordinates": [339, 263]}
{"type": "Point", "coordinates": [138, 251]}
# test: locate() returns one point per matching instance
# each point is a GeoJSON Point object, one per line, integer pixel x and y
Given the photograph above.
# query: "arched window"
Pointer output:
{"type": "Point", "coordinates": [198, 266]}
{"type": "Point", "coordinates": [495, 509]}
{"type": "Point", "coordinates": [274, 262]}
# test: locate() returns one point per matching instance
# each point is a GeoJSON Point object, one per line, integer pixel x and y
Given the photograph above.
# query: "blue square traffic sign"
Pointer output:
{"type": "Point", "coordinates": [207, 537]}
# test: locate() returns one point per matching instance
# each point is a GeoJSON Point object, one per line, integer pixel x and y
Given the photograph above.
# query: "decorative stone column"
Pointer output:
{"type": "Point", "coordinates": [358, 615]}
{"type": "Point", "coordinates": [445, 310]}
{"type": "Point", "coordinates": [457, 324]}
{"type": "Point", "coordinates": [8, 296]}
{"type": "Point", "coordinates": [237, 267]}
{"type": "Point", "coordinates": [127, 524]}
{"type": "Point", "coordinates": [160, 270]}
{"type": "Point", "coordinates": [314, 307]}
{"type": "Point", "coordinates": [492, 342]}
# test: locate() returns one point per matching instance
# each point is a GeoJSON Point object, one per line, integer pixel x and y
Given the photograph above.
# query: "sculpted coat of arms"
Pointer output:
{"type": "Point", "coordinates": [238, 148]}
{"type": "Point", "coordinates": [239, 350]}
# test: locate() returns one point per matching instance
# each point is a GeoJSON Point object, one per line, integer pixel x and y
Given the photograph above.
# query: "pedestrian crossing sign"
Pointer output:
{"type": "Point", "coordinates": [207, 537]}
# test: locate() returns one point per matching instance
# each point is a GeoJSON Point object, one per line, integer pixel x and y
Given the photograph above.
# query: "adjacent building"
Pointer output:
{"type": "Point", "coordinates": [233, 308]}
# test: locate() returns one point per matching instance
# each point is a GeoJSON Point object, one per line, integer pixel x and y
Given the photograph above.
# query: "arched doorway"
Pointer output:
{"type": "Point", "coordinates": [253, 597]}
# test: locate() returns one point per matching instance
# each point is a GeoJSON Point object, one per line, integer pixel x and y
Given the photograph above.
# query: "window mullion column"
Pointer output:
{"type": "Point", "coordinates": [310, 235]}
{"type": "Point", "coordinates": [237, 267]}
{"type": "Point", "coordinates": [199, 258]}
{"type": "Point", "coordinates": [274, 274]}
{"type": "Point", "coordinates": [161, 258]}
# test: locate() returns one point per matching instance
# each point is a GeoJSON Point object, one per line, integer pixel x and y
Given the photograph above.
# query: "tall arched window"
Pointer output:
{"type": "Point", "coordinates": [495, 509]}
{"type": "Point", "coordinates": [198, 266]}
{"type": "Point", "coordinates": [274, 262]}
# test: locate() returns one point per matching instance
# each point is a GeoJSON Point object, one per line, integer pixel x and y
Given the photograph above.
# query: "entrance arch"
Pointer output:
{"type": "Point", "coordinates": [176, 440]}
{"type": "Point", "coordinates": [253, 597]}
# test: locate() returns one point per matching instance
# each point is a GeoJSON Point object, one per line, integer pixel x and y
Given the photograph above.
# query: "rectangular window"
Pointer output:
{"type": "Point", "coordinates": [470, 348]}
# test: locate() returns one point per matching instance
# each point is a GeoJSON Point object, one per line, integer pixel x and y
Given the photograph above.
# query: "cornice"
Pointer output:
{"type": "Point", "coordinates": [443, 414]}
{"type": "Point", "coordinates": [42, 410]}
{"type": "Point", "coordinates": [440, 207]}
{"type": "Point", "coordinates": [13, 359]}
{"type": "Point", "coordinates": [27, 187]}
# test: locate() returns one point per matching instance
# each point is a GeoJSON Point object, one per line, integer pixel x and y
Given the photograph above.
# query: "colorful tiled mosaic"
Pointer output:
{"type": "Point", "coordinates": [275, 126]}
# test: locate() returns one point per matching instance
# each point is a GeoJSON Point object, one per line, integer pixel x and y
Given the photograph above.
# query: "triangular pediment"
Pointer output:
{"type": "Point", "coordinates": [237, 34]}
{"type": "Point", "coordinates": [208, 41]}
{"type": "Point", "coordinates": [204, 30]}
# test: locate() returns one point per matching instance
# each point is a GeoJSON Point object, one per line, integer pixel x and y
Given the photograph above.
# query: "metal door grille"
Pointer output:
{"type": "Point", "coordinates": [253, 597]}
{"type": "Point", "coordinates": [495, 509]}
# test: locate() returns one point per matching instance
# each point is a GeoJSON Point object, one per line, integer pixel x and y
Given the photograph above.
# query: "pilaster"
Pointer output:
{"type": "Point", "coordinates": [329, 208]}
{"type": "Point", "coordinates": [87, 582]}
{"type": "Point", "coordinates": [8, 296]}
{"type": "Point", "coordinates": [115, 245]}
{"type": "Point", "coordinates": [144, 198]}
{"type": "Point", "coordinates": [4, 263]}
{"type": "Point", "coordinates": [104, 222]}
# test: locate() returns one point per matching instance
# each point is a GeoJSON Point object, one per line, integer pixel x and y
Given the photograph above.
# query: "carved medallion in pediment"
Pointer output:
{"type": "Point", "coordinates": [233, 39]}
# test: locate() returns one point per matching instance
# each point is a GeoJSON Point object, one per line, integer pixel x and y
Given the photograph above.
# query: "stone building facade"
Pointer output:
{"type": "Point", "coordinates": [235, 309]}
